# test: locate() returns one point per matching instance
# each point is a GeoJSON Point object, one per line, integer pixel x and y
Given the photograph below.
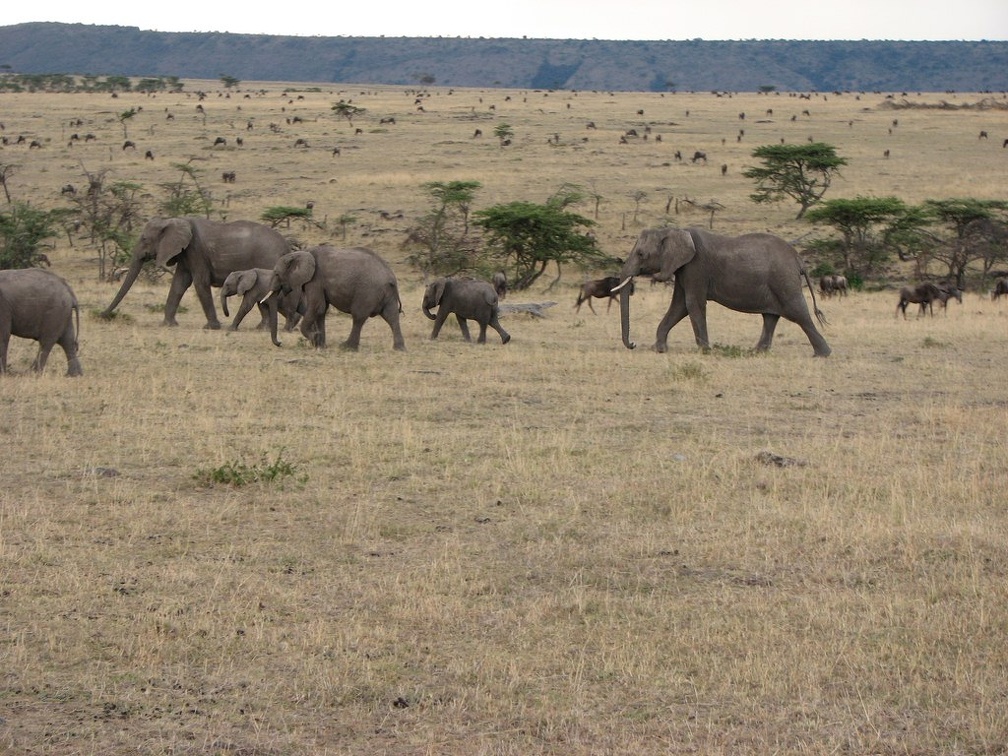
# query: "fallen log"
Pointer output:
{"type": "Point", "coordinates": [532, 308]}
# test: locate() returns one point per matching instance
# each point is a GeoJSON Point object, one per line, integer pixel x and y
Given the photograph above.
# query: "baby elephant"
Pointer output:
{"type": "Point", "coordinates": [36, 304]}
{"type": "Point", "coordinates": [469, 299]}
{"type": "Point", "coordinates": [254, 284]}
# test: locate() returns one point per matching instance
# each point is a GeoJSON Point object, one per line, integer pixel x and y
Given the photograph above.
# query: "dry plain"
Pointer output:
{"type": "Point", "coordinates": [554, 546]}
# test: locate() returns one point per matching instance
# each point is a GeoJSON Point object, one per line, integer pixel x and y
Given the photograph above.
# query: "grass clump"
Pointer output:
{"type": "Point", "coordinates": [236, 473]}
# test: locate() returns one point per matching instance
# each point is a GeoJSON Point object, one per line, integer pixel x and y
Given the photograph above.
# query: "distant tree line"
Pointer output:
{"type": "Point", "coordinates": [66, 83]}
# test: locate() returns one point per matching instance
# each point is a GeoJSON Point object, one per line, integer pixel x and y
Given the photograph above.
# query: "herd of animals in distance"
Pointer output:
{"type": "Point", "coordinates": [255, 262]}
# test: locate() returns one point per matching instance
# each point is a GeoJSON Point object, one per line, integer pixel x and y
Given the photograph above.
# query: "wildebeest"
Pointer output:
{"type": "Point", "coordinates": [600, 288]}
{"type": "Point", "coordinates": [1000, 287]}
{"type": "Point", "coordinates": [923, 294]}
{"type": "Point", "coordinates": [834, 283]}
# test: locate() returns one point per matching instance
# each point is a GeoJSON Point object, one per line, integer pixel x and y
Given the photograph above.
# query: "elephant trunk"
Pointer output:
{"type": "Point", "coordinates": [426, 311]}
{"type": "Point", "coordinates": [272, 305]}
{"type": "Point", "coordinates": [223, 302]}
{"type": "Point", "coordinates": [131, 276]}
{"type": "Point", "coordinates": [624, 305]}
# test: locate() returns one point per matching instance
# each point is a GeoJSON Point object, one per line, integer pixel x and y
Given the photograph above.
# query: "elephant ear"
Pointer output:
{"type": "Point", "coordinates": [439, 287]}
{"type": "Point", "coordinates": [246, 280]}
{"type": "Point", "coordinates": [299, 269]}
{"type": "Point", "coordinates": [174, 238]}
{"type": "Point", "coordinates": [677, 249]}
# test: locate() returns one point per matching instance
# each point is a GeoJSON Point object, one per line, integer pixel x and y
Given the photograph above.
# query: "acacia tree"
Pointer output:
{"type": "Point", "coordinates": [964, 217]}
{"type": "Point", "coordinates": [344, 109]}
{"type": "Point", "coordinates": [859, 221]}
{"type": "Point", "coordinates": [440, 240]}
{"type": "Point", "coordinates": [527, 237]}
{"type": "Point", "coordinates": [802, 172]}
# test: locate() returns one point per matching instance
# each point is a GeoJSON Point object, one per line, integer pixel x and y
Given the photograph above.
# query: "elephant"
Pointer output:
{"type": "Point", "coordinates": [923, 294]}
{"type": "Point", "coordinates": [469, 299]}
{"type": "Point", "coordinates": [600, 288]}
{"type": "Point", "coordinates": [354, 280]}
{"type": "Point", "coordinates": [500, 284]}
{"type": "Point", "coordinates": [204, 252]}
{"type": "Point", "coordinates": [36, 304]}
{"type": "Point", "coordinates": [756, 273]}
{"type": "Point", "coordinates": [1000, 288]}
{"type": "Point", "coordinates": [253, 285]}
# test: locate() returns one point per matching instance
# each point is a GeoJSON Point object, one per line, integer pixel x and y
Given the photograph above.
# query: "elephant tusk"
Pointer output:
{"type": "Point", "coordinates": [626, 280]}
{"type": "Point", "coordinates": [263, 300]}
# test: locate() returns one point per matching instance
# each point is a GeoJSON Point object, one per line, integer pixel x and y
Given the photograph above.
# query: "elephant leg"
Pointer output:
{"type": "Point", "coordinates": [68, 342]}
{"type": "Point", "coordinates": [766, 337]}
{"type": "Point", "coordinates": [181, 281]}
{"type": "Point", "coordinates": [804, 321]}
{"type": "Point", "coordinates": [495, 324]}
{"type": "Point", "coordinates": [39, 363]}
{"type": "Point", "coordinates": [206, 301]}
{"type": "Point", "coordinates": [464, 327]}
{"type": "Point", "coordinates": [696, 307]}
{"type": "Point", "coordinates": [391, 316]}
{"type": "Point", "coordinates": [676, 312]}
{"type": "Point", "coordinates": [353, 340]}
{"type": "Point", "coordinates": [590, 306]}
{"type": "Point", "coordinates": [442, 315]}
{"type": "Point", "coordinates": [247, 301]}
{"type": "Point", "coordinates": [482, 333]}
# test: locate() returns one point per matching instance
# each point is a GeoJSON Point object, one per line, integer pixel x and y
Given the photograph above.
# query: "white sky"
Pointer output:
{"type": "Point", "coordinates": [558, 19]}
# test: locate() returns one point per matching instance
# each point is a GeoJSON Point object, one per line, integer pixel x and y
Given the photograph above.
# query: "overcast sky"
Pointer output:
{"type": "Point", "coordinates": [555, 19]}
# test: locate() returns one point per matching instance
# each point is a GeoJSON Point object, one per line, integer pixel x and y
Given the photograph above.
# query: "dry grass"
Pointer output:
{"type": "Point", "coordinates": [556, 546]}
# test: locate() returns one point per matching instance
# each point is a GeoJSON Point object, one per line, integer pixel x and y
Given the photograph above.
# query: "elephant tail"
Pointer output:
{"type": "Point", "coordinates": [820, 316]}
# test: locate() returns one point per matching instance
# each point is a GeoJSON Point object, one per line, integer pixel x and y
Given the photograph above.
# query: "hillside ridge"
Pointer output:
{"type": "Point", "coordinates": [683, 65]}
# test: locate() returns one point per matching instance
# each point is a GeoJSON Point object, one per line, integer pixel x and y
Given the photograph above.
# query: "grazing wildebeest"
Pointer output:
{"type": "Point", "coordinates": [1000, 287]}
{"type": "Point", "coordinates": [923, 294]}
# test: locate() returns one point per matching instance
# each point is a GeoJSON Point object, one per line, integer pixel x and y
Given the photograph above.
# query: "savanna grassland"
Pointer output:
{"type": "Point", "coordinates": [554, 546]}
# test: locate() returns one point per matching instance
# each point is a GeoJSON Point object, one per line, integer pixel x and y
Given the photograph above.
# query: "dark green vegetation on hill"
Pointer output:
{"type": "Point", "coordinates": [520, 63]}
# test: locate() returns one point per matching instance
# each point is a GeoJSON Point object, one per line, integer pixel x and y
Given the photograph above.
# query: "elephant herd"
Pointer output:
{"type": "Point", "coordinates": [753, 273]}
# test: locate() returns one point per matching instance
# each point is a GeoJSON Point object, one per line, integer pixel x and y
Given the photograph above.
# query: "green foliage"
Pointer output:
{"type": "Point", "coordinates": [236, 473]}
{"type": "Point", "coordinates": [23, 229]}
{"type": "Point", "coordinates": [802, 172]}
{"type": "Point", "coordinates": [862, 245]}
{"type": "Point", "coordinates": [440, 242]}
{"type": "Point", "coordinates": [186, 196]}
{"type": "Point", "coordinates": [274, 216]}
{"type": "Point", "coordinates": [503, 132]}
{"type": "Point", "coordinates": [229, 82]}
{"type": "Point", "coordinates": [345, 110]}
{"type": "Point", "coordinates": [527, 237]}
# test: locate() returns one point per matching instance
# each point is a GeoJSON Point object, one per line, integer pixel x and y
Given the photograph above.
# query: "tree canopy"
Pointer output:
{"type": "Point", "coordinates": [802, 172]}
{"type": "Point", "coordinates": [527, 236]}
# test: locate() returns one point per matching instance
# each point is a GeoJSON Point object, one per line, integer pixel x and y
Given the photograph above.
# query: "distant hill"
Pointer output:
{"type": "Point", "coordinates": [47, 48]}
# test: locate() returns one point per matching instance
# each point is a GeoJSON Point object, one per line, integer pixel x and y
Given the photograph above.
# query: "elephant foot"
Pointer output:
{"type": "Point", "coordinates": [170, 323]}
{"type": "Point", "coordinates": [505, 338]}
{"type": "Point", "coordinates": [211, 327]}
{"type": "Point", "coordinates": [659, 348]}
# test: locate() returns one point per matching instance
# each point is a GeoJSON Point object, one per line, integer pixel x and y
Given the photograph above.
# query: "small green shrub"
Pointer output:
{"type": "Point", "coordinates": [236, 473]}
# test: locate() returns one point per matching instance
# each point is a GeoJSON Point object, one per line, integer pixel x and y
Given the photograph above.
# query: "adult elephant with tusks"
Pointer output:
{"type": "Point", "coordinates": [204, 252]}
{"type": "Point", "coordinates": [756, 273]}
{"type": "Point", "coordinates": [354, 280]}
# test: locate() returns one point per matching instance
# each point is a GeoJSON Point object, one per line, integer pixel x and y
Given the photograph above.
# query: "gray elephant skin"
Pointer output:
{"type": "Point", "coordinates": [354, 280]}
{"type": "Point", "coordinates": [755, 273]}
{"type": "Point", "coordinates": [204, 252]}
{"type": "Point", "coordinates": [36, 304]}
{"type": "Point", "coordinates": [467, 299]}
{"type": "Point", "coordinates": [252, 286]}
